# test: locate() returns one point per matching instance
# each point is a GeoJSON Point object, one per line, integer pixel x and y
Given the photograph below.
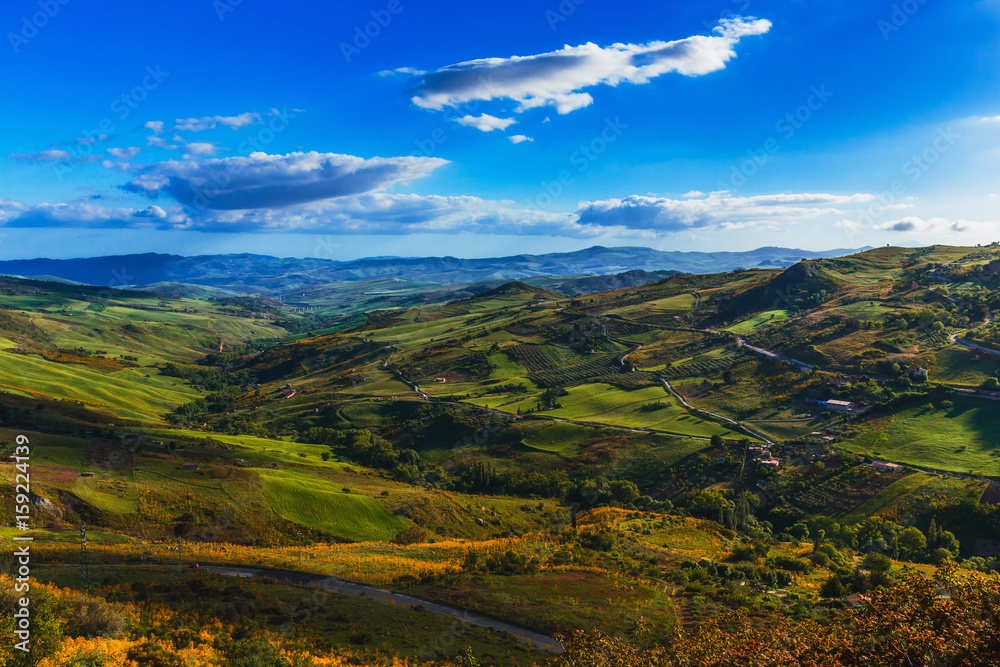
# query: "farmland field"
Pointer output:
{"type": "Point", "coordinates": [138, 393]}
{"type": "Point", "coordinates": [961, 438]}
{"type": "Point", "coordinates": [310, 502]}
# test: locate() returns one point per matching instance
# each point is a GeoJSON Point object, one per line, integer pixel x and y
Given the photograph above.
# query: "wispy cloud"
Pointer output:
{"type": "Point", "coordinates": [50, 155]}
{"type": "Point", "coordinates": [519, 138]}
{"type": "Point", "coordinates": [559, 78]}
{"type": "Point", "coordinates": [201, 148]}
{"type": "Point", "coordinates": [211, 122]}
{"type": "Point", "coordinates": [486, 122]}
{"type": "Point", "coordinates": [917, 225]}
{"type": "Point", "coordinates": [409, 71]}
{"type": "Point", "coordinates": [124, 153]}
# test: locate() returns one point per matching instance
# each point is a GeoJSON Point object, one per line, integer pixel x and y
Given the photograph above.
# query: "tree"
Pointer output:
{"type": "Point", "coordinates": [911, 541]}
{"type": "Point", "coordinates": [717, 440]}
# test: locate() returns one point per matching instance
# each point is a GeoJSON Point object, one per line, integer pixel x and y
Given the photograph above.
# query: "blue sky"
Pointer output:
{"type": "Point", "coordinates": [403, 127]}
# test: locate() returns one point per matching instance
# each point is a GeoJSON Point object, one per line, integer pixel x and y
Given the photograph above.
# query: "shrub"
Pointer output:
{"type": "Point", "coordinates": [150, 654]}
{"type": "Point", "coordinates": [92, 617]}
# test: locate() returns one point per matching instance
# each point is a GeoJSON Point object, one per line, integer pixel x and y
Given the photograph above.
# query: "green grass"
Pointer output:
{"type": "Point", "coordinates": [152, 333]}
{"type": "Point", "coordinates": [311, 502]}
{"type": "Point", "coordinates": [127, 392]}
{"type": "Point", "coordinates": [650, 407]}
{"type": "Point", "coordinates": [767, 317]}
{"type": "Point", "coordinates": [887, 497]}
{"type": "Point", "coordinates": [558, 438]}
{"type": "Point", "coordinates": [505, 367]}
{"type": "Point", "coordinates": [956, 366]}
{"type": "Point", "coordinates": [260, 449]}
{"type": "Point", "coordinates": [680, 303]}
{"type": "Point", "coordinates": [961, 439]}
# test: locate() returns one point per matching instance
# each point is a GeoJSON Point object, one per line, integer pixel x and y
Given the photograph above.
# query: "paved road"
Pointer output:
{"type": "Point", "coordinates": [669, 387]}
{"type": "Point", "coordinates": [341, 587]}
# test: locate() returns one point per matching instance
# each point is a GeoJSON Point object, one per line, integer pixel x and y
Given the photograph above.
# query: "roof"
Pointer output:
{"type": "Point", "coordinates": [843, 403]}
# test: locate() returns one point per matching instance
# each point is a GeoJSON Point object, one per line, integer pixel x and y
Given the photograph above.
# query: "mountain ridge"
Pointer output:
{"type": "Point", "coordinates": [248, 272]}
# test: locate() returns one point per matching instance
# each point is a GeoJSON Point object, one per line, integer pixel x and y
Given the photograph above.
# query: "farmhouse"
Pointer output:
{"type": "Point", "coordinates": [774, 463]}
{"type": "Point", "coordinates": [841, 406]}
{"type": "Point", "coordinates": [189, 466]}
{"type": "Point", "coordinates": [887, 467]}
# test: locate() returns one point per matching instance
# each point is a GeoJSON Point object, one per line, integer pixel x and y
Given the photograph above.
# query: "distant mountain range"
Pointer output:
{"type": "Point", "coordinates": [246, 273]}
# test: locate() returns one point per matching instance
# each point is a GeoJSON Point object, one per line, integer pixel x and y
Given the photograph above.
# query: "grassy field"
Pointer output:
{"type": "Point", "coordinates": [559, 438]}
{"type": "Point", "coordinates": [768, 317]}
{"type": "Point", "coordinates": [962, 438]}
{"type": "Point", "coordinates": [152, 329]}
{"type": "Point", "coordinates": [649, 408]}
{"type": "Point", "coordinates": [955, 365]}
{"type": "Point", "coordinates": [135, 393]}
{"type": "Point", "coordinates": [311, 502]}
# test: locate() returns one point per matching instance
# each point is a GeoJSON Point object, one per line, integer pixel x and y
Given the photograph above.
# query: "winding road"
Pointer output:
{"type": "Point", "coordinates": [351, 589]}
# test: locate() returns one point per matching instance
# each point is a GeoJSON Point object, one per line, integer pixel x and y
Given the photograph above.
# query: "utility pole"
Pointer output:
{"type": "Point", "coordinates": [83, 556]}
{"type": "Point", "coordinates": [179, 568]}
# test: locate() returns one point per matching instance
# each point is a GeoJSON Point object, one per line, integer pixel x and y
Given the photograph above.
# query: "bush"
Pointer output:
{"type": "Point", "coordinates": [149, 654]}
{"type": "Point", "coordinates": [597, 541]}
{"type": "Point", "coordinates": [92, 617]}
{"type": "Point", "coordinates": [255, 651]}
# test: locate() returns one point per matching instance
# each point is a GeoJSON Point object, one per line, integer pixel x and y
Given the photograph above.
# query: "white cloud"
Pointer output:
{"type": "Point", "coordinates": [559, 78]}
{"type": "Point", "coordinates": [519, 138]}
{"type": "Point", "coordinates": [917, 225]}
{"type": "Point", "coordinates": [201, 148]}
{"type": "Point", "coordinates": [157, 126]}
{"type": "Point", "coordinates": [90, 141]}
{"type": "Point", "coordinates": [410, 71]}
{"type": "Point", "coordinates": [376, 212]}
{"type": "Point", "coordinates": [124, 153]}
{"type": "Point", "coordinates": [486, 122]}
{"type": "Point", "coordinates": [211, 122]}
{"type": "Point", "coordinates": [260, 180]}
{"type": "Point", "coordinates": [718, 210]}
{"type": "Point", "coordinates": [50, 155]}
{"type": "Point", "coordinates": [160, 142]}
